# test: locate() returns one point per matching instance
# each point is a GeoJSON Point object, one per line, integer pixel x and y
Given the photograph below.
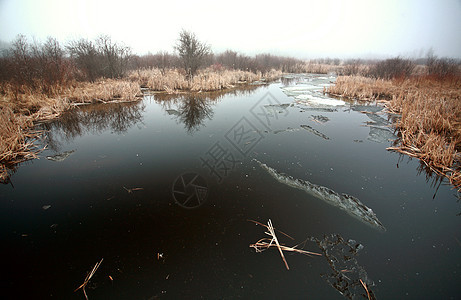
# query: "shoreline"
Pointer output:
{"type": "Point", "coordinates": [428, 127]}
{"type": "Point", "coordinates": [20, 112]}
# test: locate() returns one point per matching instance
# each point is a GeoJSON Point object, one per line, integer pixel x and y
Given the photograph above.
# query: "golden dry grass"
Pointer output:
{"type": "Point", "coordinates": [318, 68]}
{"type": "Point", "coordinates": [21, 106]}
{"type": "Point", "coordinates": [174, 80]}
{"type": "Point", "coordinates": [104, 91]}
{"type": "Point", "coordinates": [430, 123]}
{"type": "Point", "coordinates": [16, 141]}
{"type": "Point", "coordinates": [362, 88]}
{"type": "Point", "coordinates": [19, 111]}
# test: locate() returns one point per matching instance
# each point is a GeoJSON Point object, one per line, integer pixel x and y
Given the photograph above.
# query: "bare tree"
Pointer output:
{"type": "Point", "coordinates": [192, 52]}
{"type": "Point", "coordinates": [102, 58]}
{"type": "Point", "coordinates": [87, 58]}
{"type": "Point", "coordinates": [22, 62]}
{"type": "Point", "coordinates": [115, 57]}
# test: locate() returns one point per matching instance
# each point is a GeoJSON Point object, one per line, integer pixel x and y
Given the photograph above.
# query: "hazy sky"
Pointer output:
{"type": "Point", "coordinates": [306, 29]}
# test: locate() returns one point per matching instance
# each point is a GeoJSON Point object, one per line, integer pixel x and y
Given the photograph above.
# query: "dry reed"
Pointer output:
{"type": "Point", "coordinates": [430, 123]}
{"type": "Point", "coordinates": [88, 278]}
{"type": "Point", "coordinates": [266, 243]}
{"type": "Point", "coordinates": [21, 106]}
{"type": "Point", "coordinates": [173, 80]}
{"type": "Point", "coordinates": [16, 143]}
{"type": "Point", "coordinates": [107, 90]}
{"type": "Point", "coordinates": [361, 88]}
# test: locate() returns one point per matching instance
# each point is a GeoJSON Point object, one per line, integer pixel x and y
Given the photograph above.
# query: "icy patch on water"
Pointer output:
{"type": "Point", "coordinates": [289, 129]}
{"type": "Point", "coordinates": [345, 202]}
{"type": "Point", "coordinates": [347, 276]}
{"type": "Point", "coordinates": [60, 156]}
{"type": "Point", "coordinates": [380, 135]}
{"type": "Point", "coordinates": [314, 100]}
{"type": "Point", "coordinates": [315, 131]}
{"type": "Point", "coordinates": [299, 89]}
{"type": "Point", "coordinates": [310, 92]}
{"type": "Point", "coordinates": [380, 131]}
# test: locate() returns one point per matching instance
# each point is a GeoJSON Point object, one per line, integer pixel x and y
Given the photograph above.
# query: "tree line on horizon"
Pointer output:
{"type": "Point", "coordinates": [87, 60]}
{"type": "Point", "coordinates": [43, 65]}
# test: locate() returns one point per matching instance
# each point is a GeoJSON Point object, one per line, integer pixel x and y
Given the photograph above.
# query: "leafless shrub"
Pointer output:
{"type": "Point", "coordinates": [392, 68]}
{"type": "Point", "coordinates": [40, 67]}
{"type": "Point", "coordinates": [161, 60]}
{"type": "Point", "coordinates": [101, 58]}
{"type": "Point", "coordinates": [352, 67]}
{"type": "Point", "coordinates": [115, 57]}
{"type": "Point", "coordinates": [86, 57]}
{"type": "Point", "coordinates": [442, 67]}
{"type": "Point", "coordinates": [51, 65]}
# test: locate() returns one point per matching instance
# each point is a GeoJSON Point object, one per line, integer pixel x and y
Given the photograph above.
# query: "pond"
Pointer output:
{"type": "Point", "coordinates": [171, 191]}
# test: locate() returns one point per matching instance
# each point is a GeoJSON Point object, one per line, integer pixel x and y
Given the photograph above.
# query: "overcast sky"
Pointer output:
{"type": "Point", "coordinates": [305, 29]}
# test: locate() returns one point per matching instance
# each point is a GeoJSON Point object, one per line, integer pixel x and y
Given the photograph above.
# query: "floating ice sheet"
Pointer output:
{"type": "Point", "coordinates": [315, 131]}
{"type": "Point", "coordinates": [60, 156]}
{"type": "Point", "coordinates": [345, 202]}
{"type": "Point", "coordinates": [318, 101]}
{"type": "Point", "coordinates": [380, 135]}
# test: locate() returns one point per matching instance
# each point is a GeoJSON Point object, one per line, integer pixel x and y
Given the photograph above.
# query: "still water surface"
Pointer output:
{"type": "Point", "coordinates": [163, 189]}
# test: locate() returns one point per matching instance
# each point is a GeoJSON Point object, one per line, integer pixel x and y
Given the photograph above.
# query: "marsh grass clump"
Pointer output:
{"type": "Point", "coordinates": [176, 80]}
{"type": "Point", "coordinates": [430, 123]}
{"type": "Point", "coordinates": [104, 90]}
{"type": "Point", "coordinates": [16, 142]}
{"type": "Point", "coordinates": [20, 111]}
{"type": "Point", "coordinates": [160, 80]}
{"type": "Point", "coordinates": [362, 88]}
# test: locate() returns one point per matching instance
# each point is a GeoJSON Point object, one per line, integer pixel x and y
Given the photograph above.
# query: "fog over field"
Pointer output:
{"type": "Point", "coordinates": [305, 29]}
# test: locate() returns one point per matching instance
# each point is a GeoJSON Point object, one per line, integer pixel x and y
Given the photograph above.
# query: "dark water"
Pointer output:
{"type": "Point", "coordinates": [163, 189]}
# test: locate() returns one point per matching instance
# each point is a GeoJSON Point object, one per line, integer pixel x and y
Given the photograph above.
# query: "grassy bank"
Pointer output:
{"type": "Point", "coordinates": [430, 124]}
{"type": "Point", "coordinates": [22, 106]}
{"type": "Point", "coordinates": [175, 80]}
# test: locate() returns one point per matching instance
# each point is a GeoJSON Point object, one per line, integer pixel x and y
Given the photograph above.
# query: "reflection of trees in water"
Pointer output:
{"type": "Point", "coordinates": [93, 119]}
{"type": "Point", "coordinates": [193, 108]}
{"type": "Point", "coordinates": [435, 180]}
{"type": "Point", "coordinates": [211, 96]}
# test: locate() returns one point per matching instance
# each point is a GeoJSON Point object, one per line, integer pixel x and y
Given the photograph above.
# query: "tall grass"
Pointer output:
{"type": "Point", "coordinates": [16, 143]}
{"type": "Point", "coordinates": [362, 88]}
{"type": "Point", "coordinates": [19, 111]}
{"type": "Point", "coordinates": [430, 123]}
{"type": "Point", "coordinates": [174, 80]}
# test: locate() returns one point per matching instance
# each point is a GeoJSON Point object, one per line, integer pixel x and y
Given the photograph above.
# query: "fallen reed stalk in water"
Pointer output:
{"type": "Point", "coordinates": [366, 289]}
{"type": "Point", "coordinates": [88, 278]}
{"type": "Point", "coordinates": [266, 243]}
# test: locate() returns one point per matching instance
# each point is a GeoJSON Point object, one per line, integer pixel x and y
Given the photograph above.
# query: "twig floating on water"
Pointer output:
{"type": "Point", "coordinates": [366, 289]}
{"type": "Point", "coordinates": [88, 278]}
{"type": "Point", "coordinates": [133, 189]}
{"type": "Point", "coordinates": [266, 243]}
